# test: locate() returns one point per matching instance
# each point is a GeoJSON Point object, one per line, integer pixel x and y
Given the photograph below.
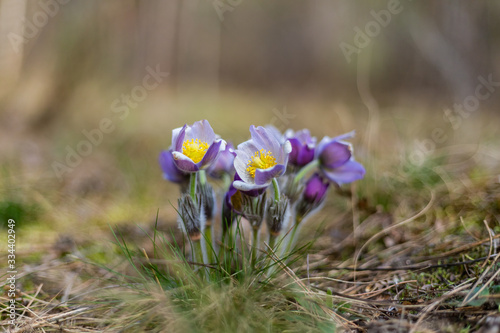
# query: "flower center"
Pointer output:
{"type": "Point", "coordinates": [195, 149]}
{"type": "Point", "coordinates": [262, 159]}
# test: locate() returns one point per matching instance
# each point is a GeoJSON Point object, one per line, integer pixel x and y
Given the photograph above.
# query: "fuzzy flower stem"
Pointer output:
{"type": "Point", "coordinates": [208, 243]}
{"type": "Point", "coordinates": [200, 256]}
{"type": "Point", "coordinates": [198, 252]}
{"type": "Point", "coordinates": [255, 245]}
{"type": "Point", "coordinates": [203, 177]}
{"type": "Point", "coordinates": [305, 170]}
{"type": "Point", "coordinates": [272, 240]}
{"type": "Point", "coordinates": [192, 186]}
{"type": "Point", "coordinates": [276, 190]}
{"type": "Point", "coordinates": [293, 235]}
{"type": "Point", "coordinates": [207, 231]}
{"type": "Point", "coordinates": [226, 180]}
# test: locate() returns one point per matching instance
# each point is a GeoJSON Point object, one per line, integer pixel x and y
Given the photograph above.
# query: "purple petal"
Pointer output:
{"type": "Point", "coordinates": [263, 139]}
{"type": "Point", "coordinates": [304, 136]}
{"type": "Point", "coordinates": [184, 163]}
{"type": "Point", "coordinates": [306, 155]}
{"type": "Point", "coordinates": [334, 154]}
{"type": "Point", "coordinates": [296, 147]}
{"type": "Point", "coordinates": [347, 173]}
{"type": "Point", "coordinates": [175, 135]}
{"type": "Point", "coordinates": [276, 133]}
{"type": "Point", "coordinates": [247, 187]}
{"type": "Point", "coordinates": [244, 153]}
{"type": "Point", "coordinates": [287, 148]}
{"type": "Point", "coordinates": [179, 138]}
{"type": "Point", "coordinates": [211, 154]}
{"type": "Point", "coordinates": [252, 193]}
{"type": "Point", "coordinates": [224, 162]}
{"type": "Point", "coordinates": [264, 176]}
{"type": "Point", "coordinates": [203, 131]}
{"type": "Point", "coordinates": [315, 189]}
{"type": "Point", "coordinates": [301, 154]}
{"type": "Point", "coordinates": [170, 170]}
{"type": "Point", "coordinates": [345, 136]}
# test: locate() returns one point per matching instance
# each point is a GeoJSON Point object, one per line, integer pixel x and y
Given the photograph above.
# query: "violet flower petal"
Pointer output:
{"type": "Point", "coordinates": [169, 168]}
{"type": "Point", "coordinates": [211, 154]}
{"type": "Point", "coordinates": [346, 173]}
{"type": "Point", "coordinates": [201, 130]}
{"type": "Point", "coordinates": [247, 187]}
{"type": "Point", "coordinates": [334, 154]}
{"type": "Point", "coordinates": [244, 153]}
{"type": "Point", "coordinates": [184, 163]}
{"type": "Point", "coordinates": [315, 189]}
{"type": "Point", "coordinates": [264, 176]}
{"type": "Point", "coordinates": [179, 138]}
{"type": "Point", "coordinates": [264, 140]}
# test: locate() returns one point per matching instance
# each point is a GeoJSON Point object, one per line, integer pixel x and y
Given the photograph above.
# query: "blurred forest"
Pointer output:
{"type": "Point", "coordinates": [430, 48]}
{"type": "Point", "coordinates": [64, 63]}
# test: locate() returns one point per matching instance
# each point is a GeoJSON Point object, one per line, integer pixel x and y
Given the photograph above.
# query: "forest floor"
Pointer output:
{"type": "Point", "coordinates": [413, 247]}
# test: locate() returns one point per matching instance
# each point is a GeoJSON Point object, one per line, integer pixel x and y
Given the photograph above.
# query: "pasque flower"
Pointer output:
{"type": "Point", "coordinates": [313, 196]}
{"type": "Point", "coordinates": [170, 171]}
{"type": "Point", "coordinates": [195, 147]}
{"type": "Point", "coordinates": [302, 147]}
{"type": "Point", "coordinates": [336, 161]}
{"type": "Point", "coordinates": [315, 190]}
{"type": "Point", "coordinates": [260, 159]}
{"type": "Point", "coordinates": [224, 164]}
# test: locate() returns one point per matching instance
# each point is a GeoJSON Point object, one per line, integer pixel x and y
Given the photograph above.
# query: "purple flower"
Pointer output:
{"type": "Point", "coordinates": [224, 163]}
{"type": "Point", "coordinates": [170, 170]}
{"type": "Point", "coordinates": [313, 196]}
{"type": "Point", "coordinates": [260, 159]}
{"type": "Point", "coordinates": [336, 160]}
{"type": "Point", "coordinates": [315, 189]}
{"type": "Point", "coordinates": [195, 147]}
{"type": "Point", "coordinates": [302, 147]}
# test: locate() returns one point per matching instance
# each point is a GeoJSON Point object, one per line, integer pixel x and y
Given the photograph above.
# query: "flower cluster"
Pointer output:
{"type": "Point", "coordinates": [294, 167]}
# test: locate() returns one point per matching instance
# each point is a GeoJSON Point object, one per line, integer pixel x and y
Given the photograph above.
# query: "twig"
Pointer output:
{"type": "Point", "coordinates": [430, 307]}
{"type": "Point", "coordinates": [410, 268]}
{"type": "Point", "coordinates": [383, 232]}
{"type": "Point", "coordinates": [459, 249]}
{"type": "Point", "coordinates": [491, 243]}
{"type": "Point", "coordinates": [56, 317]}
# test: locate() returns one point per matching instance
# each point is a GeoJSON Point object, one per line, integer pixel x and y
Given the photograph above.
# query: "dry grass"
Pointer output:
{"type": "Point", "coordinates": [412, 248]}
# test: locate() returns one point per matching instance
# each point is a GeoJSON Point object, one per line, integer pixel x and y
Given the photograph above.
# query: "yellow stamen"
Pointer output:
{"type": "Point", "coordinates": [262, 159]}
{"type": "Point", "coordinates": [195, 149]}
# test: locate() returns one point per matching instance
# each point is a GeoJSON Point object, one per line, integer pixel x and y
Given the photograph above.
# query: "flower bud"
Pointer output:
{"type": "Point", "coordinates": [254, 209]}
{"type": "Point", "coordinates": [277, 215]}
{"type": "Point", "coordinates": [313, 195]}
{"type": "Point", "coordinates": [207, 201]}
{"type": "Point", "coordinates": [189, 217]}
{"type": "Point", "coordinates": [302, 147]}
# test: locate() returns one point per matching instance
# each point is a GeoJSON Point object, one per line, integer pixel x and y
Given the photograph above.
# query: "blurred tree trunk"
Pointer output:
{"type": "Point", "coordinates": [12, 18]}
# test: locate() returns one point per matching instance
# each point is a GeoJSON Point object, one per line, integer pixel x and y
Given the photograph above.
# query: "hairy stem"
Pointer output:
{"type": "Point", "coordinates": [203, 177]}
{"type": "Point", "coordinates": [276, 190]}
{"type": "Point", "coordinates": [255, 245]}
{"type": "Point", "coordinates": [192, 186]}
{"type": "Point", "coordinates": [305, 170]}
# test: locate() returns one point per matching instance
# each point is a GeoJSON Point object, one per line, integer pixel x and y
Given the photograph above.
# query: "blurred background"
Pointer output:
{"type": "Point", "coordinates": [121, 74]}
